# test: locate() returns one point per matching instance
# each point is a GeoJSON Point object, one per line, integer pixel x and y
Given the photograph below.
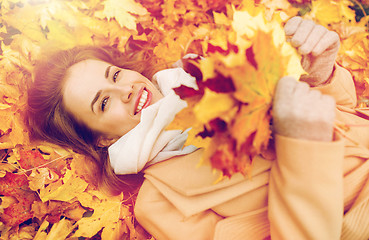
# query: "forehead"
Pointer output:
{"type": "Point", "coordinates": [83, 80]}
{"type": "Point", "coordinates": [87, 68]}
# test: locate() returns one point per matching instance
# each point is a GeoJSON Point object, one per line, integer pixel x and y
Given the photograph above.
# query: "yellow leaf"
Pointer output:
{"type": "Point", "coordinates": [213, 105]}
{"type": "Point", "coordinates": [106, 214]}
{"type": "Point", "coordinates": [65, 189]}
{"type": "Point", "coordinates": [207, 68]}
{"type": "Point", "coordinates": [60, 230]}
{"type": "Point", "coordinates": [123, 11]}
{"type": "Point", "coordinates": [4, 106]}
{"type": "Point", "coordinates": [247, 25]}
{"type": "Point", "coordinates": [41, 233]}
{"type": "Point", "coordinates": [221, 18]}
{"type": "Point", "coordinates": [26, 21]}
{"type": "Point", "coordinates": [6, 167]}
{"type": "Point", "coordinates": [248, 120]}
{"type": "Point", "coordinates": [40, 177]}
{"type": "Point", "coordinates": [6, 201]}
{"type": "Point", "coordinates": [327, 12]}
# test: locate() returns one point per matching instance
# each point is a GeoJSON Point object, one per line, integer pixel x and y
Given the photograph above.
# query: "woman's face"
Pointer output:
{"type": "Point", "coordinates": [106, 98]}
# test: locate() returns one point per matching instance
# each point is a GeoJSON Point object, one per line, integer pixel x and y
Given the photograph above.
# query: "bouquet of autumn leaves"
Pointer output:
{"type": "Point", "coordinates": [231, 110]}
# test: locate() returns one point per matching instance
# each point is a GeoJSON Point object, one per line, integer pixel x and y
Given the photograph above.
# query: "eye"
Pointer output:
{"type": "Point", "coordinates": [103, 103]}
{"type": "Point", "coordinates": [115, 76]}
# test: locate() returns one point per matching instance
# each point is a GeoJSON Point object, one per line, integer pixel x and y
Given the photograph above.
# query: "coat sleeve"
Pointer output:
{"type": "Point", "coordinates": [161, 219]}
{"type": "Point", "coordinates": [306, 190]}
{"type": "Point", "coordinates": [341, 86]}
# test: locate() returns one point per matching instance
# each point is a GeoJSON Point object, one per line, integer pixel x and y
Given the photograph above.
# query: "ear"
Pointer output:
{"type": "Point", "coordinates": [105, 141]}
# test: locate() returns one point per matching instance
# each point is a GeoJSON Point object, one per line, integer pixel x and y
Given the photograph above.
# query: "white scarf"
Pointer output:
{"type": "Point", "coordinates": [149, 142]}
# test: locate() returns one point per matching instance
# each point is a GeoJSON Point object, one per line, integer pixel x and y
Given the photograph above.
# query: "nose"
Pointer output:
{"type": "Point", "coordinates": [125, 92]}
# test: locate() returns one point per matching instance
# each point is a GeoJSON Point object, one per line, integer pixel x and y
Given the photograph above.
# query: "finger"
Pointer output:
{"type": "Point", "coordinates": [302, 33]}
{"type": "Point", "coordinates": [313, 39]}
{"type": "Point", "coordinates": [292, 25]}
{"type": "Point", "coordinates": [329, 40]}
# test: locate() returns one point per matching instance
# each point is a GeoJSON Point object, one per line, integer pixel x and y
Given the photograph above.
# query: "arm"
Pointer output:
{"type": "Point", "coordinates": [306, 181]}
{"type": "Point", "coordinates": [161, 219]}
{"type": "Point", "coordinates": [306, 190]}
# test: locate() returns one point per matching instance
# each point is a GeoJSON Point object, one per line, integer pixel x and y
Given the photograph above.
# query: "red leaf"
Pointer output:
{"type": "Point", "coordinates": [17, 186]}
{"type": "Point", "coordinates": [192, 69]}
{"type": "Point", "coordinates": [184, 92]}
{"type": "Point", "coordinates": [220, 84]}
{"type": "Point", "coordinates": [33, 158]}
{"type": "Point", "coordinates": [250, 55]}
{"type": "Point", "coordinates": [223, 158]}
{"type": "Point", "coordinates": [206, 133]}
{"type": "Point", "coordinates": [218, 125]}
{"type": "Point", "coordinates": [230, 47]}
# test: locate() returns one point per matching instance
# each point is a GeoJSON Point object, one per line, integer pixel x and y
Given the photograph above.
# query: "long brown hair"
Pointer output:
{"type": "Point", "coordinates": [48, 120]}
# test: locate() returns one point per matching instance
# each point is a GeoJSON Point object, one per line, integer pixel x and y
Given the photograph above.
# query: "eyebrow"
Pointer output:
{"type": "Point", "coordinates": [95, 99]}
{"type": "Point", "coordinates": [107, 71]}
{"type": "Point", "coordinates": [99, 92]}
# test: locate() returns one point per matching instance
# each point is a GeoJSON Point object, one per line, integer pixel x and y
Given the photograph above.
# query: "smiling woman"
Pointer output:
{"type": "Point", "coordinates": [102, 103]}
{"type": "Point", "coordinates": [89, 80]}
{"type": "Point", "coordinates": [110, 99]}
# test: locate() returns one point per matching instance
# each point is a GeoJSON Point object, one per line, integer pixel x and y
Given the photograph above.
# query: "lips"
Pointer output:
{"type": "Point", "coordinates": [143, 100]}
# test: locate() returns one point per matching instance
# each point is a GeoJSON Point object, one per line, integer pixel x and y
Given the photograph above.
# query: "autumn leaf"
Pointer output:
{"type": "Point", "coordinates": [65, 189]}
{"type": "Point", "coordinates": [52, 210]}
{"type": "Point", "coordinates": [123, 12]}
{"type": "Point", "coordinates": [41, 177]}
{"type": "Point", "coordinates": [244, 53]}
{"type": "Point", "coordinates": [16, 185]}
{"type": "Point", "coordinates": [107, 213]}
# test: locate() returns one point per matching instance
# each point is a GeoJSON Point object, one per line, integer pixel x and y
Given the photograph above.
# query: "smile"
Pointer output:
{"type": "Point", "coordinates": [143, 101]}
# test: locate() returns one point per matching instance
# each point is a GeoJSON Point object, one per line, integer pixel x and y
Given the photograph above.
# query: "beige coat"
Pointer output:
{"type": "Point", "coordinates": [314, 190]}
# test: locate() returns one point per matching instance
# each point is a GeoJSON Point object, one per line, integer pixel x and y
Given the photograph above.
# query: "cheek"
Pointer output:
{"type": "Point", "coordinates": [121, 123]}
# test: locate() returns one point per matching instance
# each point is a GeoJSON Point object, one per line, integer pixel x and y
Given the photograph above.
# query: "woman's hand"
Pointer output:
{"type": "Point", "coordinates": [318, 46]}
{"type": "Point", "coordinates": [303, 113]}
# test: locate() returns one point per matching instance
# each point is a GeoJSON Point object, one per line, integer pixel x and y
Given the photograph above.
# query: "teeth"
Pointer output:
{"type": "Point", "coordinates": [142, 101]}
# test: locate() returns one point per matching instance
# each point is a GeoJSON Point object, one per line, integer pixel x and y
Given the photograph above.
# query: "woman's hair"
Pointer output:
{"type": "Point", "coordinates": [48, 119]}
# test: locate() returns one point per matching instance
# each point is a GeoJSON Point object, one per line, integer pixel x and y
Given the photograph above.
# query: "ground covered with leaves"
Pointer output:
{"type": "Point", "coordinates": [48, 192]}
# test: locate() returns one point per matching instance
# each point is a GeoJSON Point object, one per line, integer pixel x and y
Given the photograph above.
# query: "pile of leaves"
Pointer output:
{"type": "Point", "coordinates": [48, 193]}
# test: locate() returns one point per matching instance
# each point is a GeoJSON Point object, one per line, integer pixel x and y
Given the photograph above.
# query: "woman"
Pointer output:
{"type": "Point", "coordinates": [95, 102]}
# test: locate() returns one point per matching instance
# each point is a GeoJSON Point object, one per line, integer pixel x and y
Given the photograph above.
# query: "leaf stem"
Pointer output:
{"type": "Point", "coordinates": [42, 165]}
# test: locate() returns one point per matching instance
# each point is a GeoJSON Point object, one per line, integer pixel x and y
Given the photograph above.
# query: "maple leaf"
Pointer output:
{"type": "Point", "coordinates": [41, 177]}
{"type": "Point", "coordinates": [24, 232]}
{"type": "Point", "coordinates": [59, 230]}
{"type": "Point", "coordinates": [30, 159]}
{"type": "Point", "coordinates": [235, 37]}
{"type": "Point", "coordinates": [53, 210]}
{"type": "Point", "coordinates": [122, 11]}
{"type": "Point", "coordinates": [16, 185]}
{"type": "Point", "coordinates": [65, 189]}
{"type": "Point", "coordinates": [328, 12]}
{"type": "Point", "coordinates": [107, 214]}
